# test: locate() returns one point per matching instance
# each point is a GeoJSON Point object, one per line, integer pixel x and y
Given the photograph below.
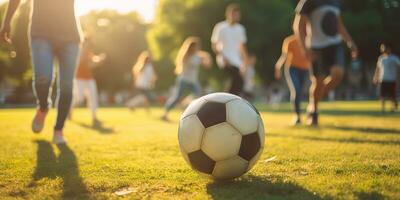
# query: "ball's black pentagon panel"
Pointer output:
{"type": "Point", "coordinates": [250, 146]}
{"type": "Point", "coordinates": [201, 162]}
{"type": "Point", "coordinates": [212, 113]}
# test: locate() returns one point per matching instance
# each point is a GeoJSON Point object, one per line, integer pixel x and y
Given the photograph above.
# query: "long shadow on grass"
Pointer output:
{"type": "Point", "coordinates": [98, 128]}
{"type": "Point", "coordinates": [64, 166]}
{"type": "Point", "coordinates": [252, 187]}
{"type": "Point", "coordinates": [334, 112]}
{"type": "Point", "coordinates": [366, 129]}
{"type": "Point", "coordinates": [341, 140]}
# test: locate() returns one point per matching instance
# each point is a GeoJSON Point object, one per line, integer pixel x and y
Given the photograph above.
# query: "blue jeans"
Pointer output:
{"type": "Point", "coordinates": [181, 87]}
{"type": "Point", "coordinates": [296, 78]}
{"type": "Point", "coordinates": [44, 52]}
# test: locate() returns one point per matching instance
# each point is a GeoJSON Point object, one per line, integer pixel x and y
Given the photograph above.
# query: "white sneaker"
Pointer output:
{"type": "Point", "coordinates": [58, 137]}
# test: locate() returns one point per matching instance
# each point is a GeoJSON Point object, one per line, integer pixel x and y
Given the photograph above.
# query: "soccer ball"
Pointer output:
{"type": "Point", "coordinates": [221, 136]}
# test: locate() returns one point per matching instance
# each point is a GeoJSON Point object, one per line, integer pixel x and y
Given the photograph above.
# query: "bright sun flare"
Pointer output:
{"type": "Point", "coordinates": [146, 8]}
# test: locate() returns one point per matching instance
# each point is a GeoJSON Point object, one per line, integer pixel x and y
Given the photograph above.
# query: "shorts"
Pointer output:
{"type": "Point", "coordinates": [388, 89]}
{"type": "Point", "coordinates": [326, 58]}
{"type": "Point", "coordinates": [148, 94]}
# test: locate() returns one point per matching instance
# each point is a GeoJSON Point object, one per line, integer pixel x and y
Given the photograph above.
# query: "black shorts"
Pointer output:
{"type": "Point", "coordinates": [326, 58]}
{"type": "Point", "coordinates": [388, 90]}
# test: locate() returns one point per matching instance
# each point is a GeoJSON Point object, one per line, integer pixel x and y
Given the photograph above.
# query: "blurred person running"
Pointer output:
{"type": "Point", "coordinates": [190, 58]}
{"type": "Point", "coordinates": [320, 30]}
{"type": "Point", "coordinates": [85, 86]}
{"type": "Point", "coordinates": [145, 79]}
{"type": "Point", "coordinates": [297, 68]}
{"type": "Point", "coordinates": [54, 34]}
{"type": "Point", "coordinates": [229, 44]}
{"type": "Point", "coordinates": [386, 75]}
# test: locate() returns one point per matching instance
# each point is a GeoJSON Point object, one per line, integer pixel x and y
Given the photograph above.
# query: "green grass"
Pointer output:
{"type": "Point", "coordinates": [355, 154]}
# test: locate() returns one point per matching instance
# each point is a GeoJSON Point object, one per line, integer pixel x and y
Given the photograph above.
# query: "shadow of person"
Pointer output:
{"type": "Point", "coordinates": [366, 129]}
{"type": "Point", "coordinates": [65, 166]}
{"type": "Point", "coordinates": [252, 187]}
{"type": "Point", "coordinates": [73, 185]}
{"type": "Point", "coordinates": [46, 163]}
{"type": "Point", "coordinates": [98, 128]}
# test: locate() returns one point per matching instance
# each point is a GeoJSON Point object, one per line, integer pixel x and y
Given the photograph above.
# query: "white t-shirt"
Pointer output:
{"type": "Point", "coordinates": [190, 71]}
{"type": "Point", "coordinates": [228, 39]}
{"type": "Point", "coordinates": [322, 31]}
{"type": "Point", "coordinates": [145, 78]}
{"type": "Point", "coordinates": [388, 65]}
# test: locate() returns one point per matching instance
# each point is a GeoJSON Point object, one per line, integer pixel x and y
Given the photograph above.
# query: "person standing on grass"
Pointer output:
{"type": "Point", "coordinates": [297, 68]}
{"type": "Point", "coordinates": [386, 76]}
{"type": "Point", "coordinates": [144, 80]}
{"type": "Point", "coordinates": [320, 30]}
{"type": "Point", "coordinates": [54, 34]}
{"type": "Point", "coordinates": [85, 86]}
{"type": "Point", "coordinates": [229, 44]}
{"type": "Point", "coordinates": [188, 62]}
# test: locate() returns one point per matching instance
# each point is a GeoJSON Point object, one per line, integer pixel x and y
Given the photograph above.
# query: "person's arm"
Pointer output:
{"type": "Point", "coordinates": [6, 26]}
{"type": "Point", "coordinates": [206, 60]}
{"type": "Point", "coordinates": [347, 38]}
{"type": "Point", "coordinates": [300, 31]}
{"type": "Point", "coordinates": [245, 55]}
{"type": "Point", "coordinates": [279, 65]}
{"type": "Point", "coordinates": [377, 74]}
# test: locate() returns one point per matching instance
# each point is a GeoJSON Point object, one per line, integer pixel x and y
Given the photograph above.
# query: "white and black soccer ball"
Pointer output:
{"type": "Point", "coordinates": [221, 135]}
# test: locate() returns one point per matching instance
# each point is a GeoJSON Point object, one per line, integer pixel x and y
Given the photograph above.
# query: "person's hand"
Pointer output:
{"type": "Point", "coordinates": [278, 74]}
{"type": "Point", "coordinates": [375, 81]}
{"type": "Point", "coordinates": [354, 52]}
{"type": "Point", "coordinates": [5, 33]}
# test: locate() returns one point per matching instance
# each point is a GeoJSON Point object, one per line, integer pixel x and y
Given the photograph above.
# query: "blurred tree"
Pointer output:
{"type": "Point", "coordinates": [121, 37]}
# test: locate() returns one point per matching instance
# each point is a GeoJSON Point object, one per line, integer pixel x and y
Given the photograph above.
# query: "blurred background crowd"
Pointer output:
{"type": "Point", "coordinates": [122, 36]}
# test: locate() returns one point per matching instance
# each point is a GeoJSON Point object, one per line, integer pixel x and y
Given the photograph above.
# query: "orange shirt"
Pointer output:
{"type": "Point", "coordinates": [84, 71]}
{"type": "Point", "coordinates": [295, 56]}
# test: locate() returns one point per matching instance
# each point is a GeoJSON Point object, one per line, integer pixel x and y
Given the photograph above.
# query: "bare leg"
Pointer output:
{"type": "Point", "coordinates": [331, 82]}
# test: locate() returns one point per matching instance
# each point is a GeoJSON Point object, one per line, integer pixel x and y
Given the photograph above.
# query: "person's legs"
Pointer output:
{"type": "Point", "coordinates": [93, 99]}
{"type": "Point", "coordinates": [316, 88]}
{"type": "Point", "coordinates": [196, 89]}
{"type": "Point", "coordinates": [331, 82]}
{"type": "Point", "coordinates": [78, 96]}
{"type": "Point", "coordinates": [42, 60]}
{"type": "Point", "coordinates": [181, 86]}
{"type": "Point", "coordinates": [294, 82]}
{"type": "Point", "coordinates": [237, 81]}
{"type": "Point", "coordinates": [68, 55]}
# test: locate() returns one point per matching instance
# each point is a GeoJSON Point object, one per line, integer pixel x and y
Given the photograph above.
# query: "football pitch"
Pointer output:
{"type": "Point", "coordinates": [354, 154]}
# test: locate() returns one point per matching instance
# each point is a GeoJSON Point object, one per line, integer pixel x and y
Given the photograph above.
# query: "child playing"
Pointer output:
{"type": "Point", "coordinates": [386, 76]}
{"type": "Point", "coordinates": [144, 80]}
{"type": "Point", "coordinates": [188, 62]}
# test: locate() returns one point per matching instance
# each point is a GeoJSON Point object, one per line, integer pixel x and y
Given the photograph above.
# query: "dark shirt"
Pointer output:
{"type": "Point", "coordinates": [55, 20]}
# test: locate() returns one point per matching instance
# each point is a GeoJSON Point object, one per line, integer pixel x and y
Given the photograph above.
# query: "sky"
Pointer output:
{"type": "Point", "coordinates": [146, 8]}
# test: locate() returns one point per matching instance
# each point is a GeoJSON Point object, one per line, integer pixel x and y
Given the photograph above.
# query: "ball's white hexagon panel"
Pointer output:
{"type": "Point", "coordinates": [221, 97]}
{"type": "Point", "coordinates": [255, 159]}
{"type": "Point", "coordinates": [231, 168]}
{"type": "Point", "coordinates": [221, 142]}
{"type": "Point", "coordinates": [193, 108]}
{"type": "Point", "coordinates": [243, 117]}
{"type": "Point", "coordinates": [190, 134]}
{"type": "Point", "coordinates": [261, 132]}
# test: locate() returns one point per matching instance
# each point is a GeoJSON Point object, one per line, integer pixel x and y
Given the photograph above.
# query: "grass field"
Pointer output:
{"type": "Point", "coordinates": [355, 154]}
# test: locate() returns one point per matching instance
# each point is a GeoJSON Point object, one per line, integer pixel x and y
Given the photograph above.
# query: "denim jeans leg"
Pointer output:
{"type": "Point", "coordinates": [42, 62]}
{"type": "Point", "coordinates": [68, 56]}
